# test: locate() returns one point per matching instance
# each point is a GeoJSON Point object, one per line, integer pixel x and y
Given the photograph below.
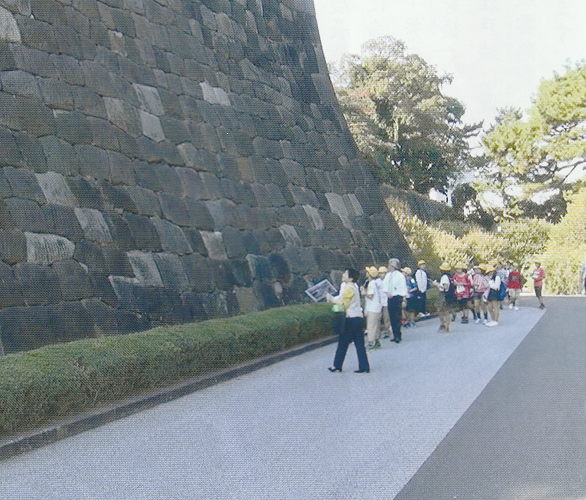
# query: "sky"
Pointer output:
{"type": "Point", "coordinates": [497, 50]}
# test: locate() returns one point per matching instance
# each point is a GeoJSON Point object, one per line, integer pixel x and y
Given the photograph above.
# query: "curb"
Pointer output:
{"type": "Point", "coordinates": [37, 438]}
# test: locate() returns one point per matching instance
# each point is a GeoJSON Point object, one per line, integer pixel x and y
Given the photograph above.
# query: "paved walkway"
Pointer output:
{"type": "Point", "coordinates": [295, 431]}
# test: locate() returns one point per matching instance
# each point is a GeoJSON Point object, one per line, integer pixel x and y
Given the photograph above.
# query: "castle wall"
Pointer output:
{"type": "Point", "coordinates": [168, 161]}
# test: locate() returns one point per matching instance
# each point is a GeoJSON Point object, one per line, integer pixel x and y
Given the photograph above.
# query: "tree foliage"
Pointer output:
{"type": "Point", "coordinates": [566, 250]}
{"type": "Point", "coordinates": [538, 152]}
{"type": "Point", "coordinates": [410, 131]}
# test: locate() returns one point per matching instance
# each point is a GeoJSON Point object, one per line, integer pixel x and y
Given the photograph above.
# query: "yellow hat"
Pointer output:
{"type": "Point", "coordinates": [421, 262]}
{"type": "Point", "coordinates": [489, 268]}
{"type": "Point", "coordinates": [407, 270]}
{"type": "Point", "coordinates": [460, 265]}
{"type": "Point", "coordinates": [372, 271]}
{"type": "Point", "coordinates": [445, 267]}
{"type": "Point", "coordinates": [382, 269]}
{"type": "Point", "coordinates": [482, 266]}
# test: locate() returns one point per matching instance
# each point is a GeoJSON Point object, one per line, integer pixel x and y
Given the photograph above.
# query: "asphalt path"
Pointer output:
{"type": "Point", "coordinates": [524, 438]}
{"type": "Point", "coordinates": [293, 430]}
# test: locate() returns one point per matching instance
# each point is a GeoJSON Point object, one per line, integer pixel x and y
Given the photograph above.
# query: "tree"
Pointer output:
{"type": "Point", "coordinates": [410, 131]}
{"type": "Point", "coordinates": [537, 153]}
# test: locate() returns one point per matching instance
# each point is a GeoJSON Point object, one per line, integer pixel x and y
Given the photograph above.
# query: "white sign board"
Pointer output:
{"type": "Point", "coordinates": [319, 291]}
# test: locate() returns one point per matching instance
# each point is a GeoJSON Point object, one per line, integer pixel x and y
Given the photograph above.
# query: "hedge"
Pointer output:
{"type": "Point", "coordinates": [63, 379]}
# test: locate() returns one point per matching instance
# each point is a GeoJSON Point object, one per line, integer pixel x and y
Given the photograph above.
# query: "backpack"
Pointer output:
{"type": "Point", "coordinates": [503, 290]}
{"type": "Point", "coordinates": [450, 295]}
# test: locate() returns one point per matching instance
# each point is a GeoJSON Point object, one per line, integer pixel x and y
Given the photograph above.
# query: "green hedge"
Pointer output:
{"type": "Point", "coordinates": [63, 379]}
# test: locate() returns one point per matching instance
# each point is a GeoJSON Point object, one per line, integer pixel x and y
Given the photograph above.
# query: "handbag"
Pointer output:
{"type": "Point", "coordinates": [337, 308]}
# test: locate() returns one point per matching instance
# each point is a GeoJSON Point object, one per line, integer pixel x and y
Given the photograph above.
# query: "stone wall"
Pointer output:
{"type": "Point", "coordinates": [171, 160]}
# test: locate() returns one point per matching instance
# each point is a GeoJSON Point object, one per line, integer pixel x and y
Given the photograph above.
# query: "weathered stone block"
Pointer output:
{"type": "Point", "coordinates": [171, 271]}
{"type": "Point", "coordinates": [93, 224]}
{"type": "Point", "coordinates": [169, 180]}
{"type": "Point", "coordinates": [214, 244]}
{"type": "Point", "coordinates": [145, 268]}
{"type": "Point", "coordinates": [70, 321]}
{"type": "Point", "coordinates": [192, 184]}
{"type": "Point", "coordinates": [145, 201]}
{"type": "Point", "coordinates": [87, 194]}
{"type": "Point", "coordinates": [60, 156]}
{"type": "Point", "coordinates": [25, 184]}
{"type": "Point", "coordinates": [7, 61]}
{"type": "Point", "coordinates": [91, 255]}
{"type": "Point", "coordinates": [174, 209]}
{"type": "Point", "coordinates": [26, 215]}
{"type": "Point", "coordinates": [74, 280]}
{"type": "Point", "coordinates": [234, 243]}
{"type": "Point", "coordinates": [172, 237]}
{"type": "Point", "coordinates": [55, 189]}
{"type": "Point", "coordinates": [198, 272]}
{"type": "Point", "coordinates": [47, 248]}
{"type": "Point", "coordinates": [10, 292]}
{"type": "Point", "coordinates": [8, 27]}
{"type": "Point", "coordinates": [144, 232]}
{"type": "Point", "coordinates": [39, 284]}
{"type": "Point", "coordinates": [24, 328]}
{"type": "Point", "coordinates": [195, 241]}
{"type": "Point", "coordinates": [20, 83]}
{"type": "Point", "coordinates": [9, 152]}
{"type": "Point", "coordinates": [73, 127]}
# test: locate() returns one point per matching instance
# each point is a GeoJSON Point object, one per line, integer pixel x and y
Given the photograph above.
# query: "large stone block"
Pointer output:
{"type": "Point", "coordinates": [56, 190]}
{"type": "Point", "coordinates": [198, 272]}
{"type": "Point", "coordinates": [9, 152]}
{"type": "Point", "coordinates": [47, 248]}
{"type": "Point", "coordinates": [10, 292]}
{"type": "Point", "coordinates": [39, 284]}
{"type": "Point", "coordinates": [26, 215]}
{"type": "Point", "coordinates": [171, 272]}
{"type": "Point", "coordinates": [24, 184]}
{"type": "Point", "coordinates": [74, 280]}
{"type": "Point", "coordinates": [144, 232]}
{"type": "Point", "coordinates": [172, 237]}
{"type": "Point", "coordinates": [93, 224]}
{"type": "Point", "coordinates": [145, 269]}
{"type": "Point", "coordinates": [32, 151]}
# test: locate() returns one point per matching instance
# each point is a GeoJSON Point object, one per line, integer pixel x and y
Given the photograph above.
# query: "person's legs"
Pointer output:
{"type": "Point", "coordinates": [343, 343]}
{"type": "Point", "coordinates": [356, 326]}
{"type": "Point", "coordinates": [386, 322]}
{"type": "Point", "coordinates": [538, 290]}
{"type": "Point", "coordinates": [372, 327]}
{"type": "Point", "coordinates": [395, 314]}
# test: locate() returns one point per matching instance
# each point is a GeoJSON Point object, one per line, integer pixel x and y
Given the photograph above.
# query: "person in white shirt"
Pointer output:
{"type": "Point", "coordinates": [372, 307]}
{"type": "Point", "coordinates": [422, 279]}
{"type": "Point", "coordinates": [384, 300]}
{"type": "Point", "coordinates": [395, 288]}
{"type": "Point", "coordinates": [353, 330]}
{"type": "Point", "coordinates": [492, 295]}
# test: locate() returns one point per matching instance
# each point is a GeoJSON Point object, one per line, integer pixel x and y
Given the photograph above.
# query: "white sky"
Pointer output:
{"type": "Point", "coordinates": [497, 50]}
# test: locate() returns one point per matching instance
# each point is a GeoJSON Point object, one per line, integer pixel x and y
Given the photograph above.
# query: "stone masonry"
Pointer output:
{"type": "Point", "coordinates": [166, 161]}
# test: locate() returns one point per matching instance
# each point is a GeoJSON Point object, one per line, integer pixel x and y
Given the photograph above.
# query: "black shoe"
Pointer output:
{"type": "Point", "coordinates": [362, 371]}
{"type": "Point", "coordinates": [333, 369]}
{"type": "Point", "coordinates": [541, 306]}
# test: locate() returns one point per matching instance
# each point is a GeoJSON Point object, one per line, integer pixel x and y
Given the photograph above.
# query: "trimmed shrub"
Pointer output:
{"type": "Point", "coordinates": [58, 380]}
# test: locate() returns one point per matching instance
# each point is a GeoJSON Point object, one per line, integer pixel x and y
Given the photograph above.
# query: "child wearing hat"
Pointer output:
{"type": "Point", "coordinates": [372, 307]}
{"type": "Point", "coordinates": [446, 300]}
{"type": "Point", "coordinates": [412, 300]}
{"type": "Point", "coordinates": [462, 282]}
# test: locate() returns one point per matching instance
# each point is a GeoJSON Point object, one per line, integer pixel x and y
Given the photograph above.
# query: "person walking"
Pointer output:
{"type": "Point", "coordinates": [412, 299]}
{"type": "Point", "coordinates": [386, 320]}
{"type": "Point", "coordinates": [492, 295]}
{"type": "Point", "coordinates": [372, 307]}
{"type": "Point", "coordinates": [395, 288]}
{"type": "Point", "coordinates": [422, 279]}
{"type": "Point", "coordinates": [479, 286]}
{"type": "Point", "coordinates": [463, 287]}
{"type": "Point", "coordinates": [538, 277]}
{"type": "Point", "coordinates": [447, 297]}
{"type": "Point", "coordinates": [353, 326]}
{"type": "Point", "coordinates": [514, 286]}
